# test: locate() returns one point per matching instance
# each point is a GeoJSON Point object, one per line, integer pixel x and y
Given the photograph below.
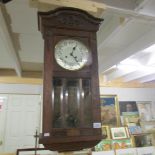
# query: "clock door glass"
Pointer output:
{"type": "Point", "coordinates": [57, 100]}
{"type": "Point", "coordinates": [72, 97]}
{"type": "Point", "coordinates": [86, 105]}
{"type": "Point", "coordinates": [72, 103]}
{"type": "Point", "coordinates": [71, 54]}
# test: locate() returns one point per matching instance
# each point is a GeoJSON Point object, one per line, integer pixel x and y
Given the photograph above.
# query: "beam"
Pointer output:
{"type": "Point", "coordinates": [119, 73]}
{"type": "Point", "coordinates": [145, 41]}
{"type": "Point", "coordinates": [131, 14]}
{"type": "Point", "coordinates": [108, 30]}
{"type": "Point", "coordinates": [147, 78]}
{"type": "Point", "coordinates": [126, 4]}
{"type": "Point", "coordinates": [19, 80]}
{"type": "Point", "coordinates": [95, 7]}
{"type": "Point", "coordinates": [122, 84]}
{"type": "Point", "coordinates": [9, 43]}
{"type": "Point", "coordinates": [87, 5]}
{"type": "Point", "coordinates": [138, 74]}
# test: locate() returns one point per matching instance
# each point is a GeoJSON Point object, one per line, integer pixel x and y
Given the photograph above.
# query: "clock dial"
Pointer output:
{"type": "Point", "coordinates": [71, 54]}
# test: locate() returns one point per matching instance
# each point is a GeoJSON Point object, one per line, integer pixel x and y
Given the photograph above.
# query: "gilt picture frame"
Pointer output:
{"type": "Point", "coordinates": [119, 133]}
{"type": "Point", "coordinates": [106, 132]}
{"type": "Point", "coordinates": [127, 107]}
{"type": "Point", "coordinates": [145, 111]}
{"type": "Point", "coordinates": [109, 110]}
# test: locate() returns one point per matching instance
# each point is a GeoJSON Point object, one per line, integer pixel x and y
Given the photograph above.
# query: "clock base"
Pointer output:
{"type": "Point", "coordinates": [75, 143]}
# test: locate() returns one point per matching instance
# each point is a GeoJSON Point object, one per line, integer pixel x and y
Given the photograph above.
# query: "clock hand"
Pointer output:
{"type": "Point", "coordinates": [73, 50]}
{"type": "Point", "coordinates": [75, 58]}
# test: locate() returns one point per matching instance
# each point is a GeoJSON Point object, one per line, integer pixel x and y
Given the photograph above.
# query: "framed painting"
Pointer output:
{"type": "Point", "coordinates": [134, 130]}
{"type": "Point", "coordinates": [148, 126]}
{"type": "Point", "coordinates": [109, 110]}
{"type": "Point", "coordinates": [129, 107]}
{"type": "Point", "coordinates": [119, 133]}
{"type": "Point", "coordinates": [145, 111]}
{"type": "Point", "coordinates": [129, 151]}
{"type": "Point", "coordinates": [106, 132]}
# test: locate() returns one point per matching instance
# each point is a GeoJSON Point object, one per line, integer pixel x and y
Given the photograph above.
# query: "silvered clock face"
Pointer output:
{"type": "Point", "coordinates": [71, 54]}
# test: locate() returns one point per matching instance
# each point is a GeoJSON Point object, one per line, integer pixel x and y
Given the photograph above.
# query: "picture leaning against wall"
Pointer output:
{"type": "Point", "coordinates": [128, 112]}
{"type": "Point", "coordinates": [109, 110]}
{"type": "Point", "coordinates": [145, 112]}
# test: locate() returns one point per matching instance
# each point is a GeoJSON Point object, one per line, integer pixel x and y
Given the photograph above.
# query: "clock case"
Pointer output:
{"type": "Point", "coordinates": [69, 23]}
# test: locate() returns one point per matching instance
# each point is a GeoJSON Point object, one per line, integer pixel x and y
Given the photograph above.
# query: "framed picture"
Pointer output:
{"type": "Point", "coordinates": [119, 133]}
{"type": "Point", "coordinates": [109, 110]}
{"type": "Point", "coordinates": [106, 132]}
{"type": "Point", "coordinates": [134, 130]}
{"type": "Point", "coordinates": [150, 150]}
{"type": "Point", "coordinates": [127, 107]}
{"type": "Point", "coordinates": [121, 143]}
{"type": "Point", "coordinates": [129, 151]}
{"type": "Point", "coordinates": [148, 126]}
{"type": "Point", "coordinates": [145, 112]}
{"type": "Point", "coordinates": [104, 145]}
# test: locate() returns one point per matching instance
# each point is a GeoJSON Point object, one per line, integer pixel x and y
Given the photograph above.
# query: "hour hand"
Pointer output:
{"type": "Point", "coordinates": [73, 50]}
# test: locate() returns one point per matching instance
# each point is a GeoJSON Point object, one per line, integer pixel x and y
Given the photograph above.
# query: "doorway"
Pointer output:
{"type": "Point", "coordinates": [21, 119]}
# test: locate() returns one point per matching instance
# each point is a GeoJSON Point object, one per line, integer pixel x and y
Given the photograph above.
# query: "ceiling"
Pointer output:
{"type": "Point", "coordinates": [128, 29]}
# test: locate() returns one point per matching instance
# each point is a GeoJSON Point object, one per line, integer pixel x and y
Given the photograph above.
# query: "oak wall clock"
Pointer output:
{"type": "Point", "coordinates": [71, 104]}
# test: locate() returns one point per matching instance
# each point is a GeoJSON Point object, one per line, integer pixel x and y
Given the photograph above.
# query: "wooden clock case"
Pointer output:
{"type": "Point", "coordinates": [69, 23]}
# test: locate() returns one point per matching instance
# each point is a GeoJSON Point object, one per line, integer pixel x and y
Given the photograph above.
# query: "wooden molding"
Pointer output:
{"type": "Point", "coordinates": [86, 4]}
{"type": "Point", "coordinates": [20, 80]}
{"type": "Point", "coordinates": [92, 7]}
{"type": "Point", "coordinates": [121, 84]}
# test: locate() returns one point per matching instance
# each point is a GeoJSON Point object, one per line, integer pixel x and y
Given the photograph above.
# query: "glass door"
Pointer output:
{"type": "Point", "coordinates": [72, 105]}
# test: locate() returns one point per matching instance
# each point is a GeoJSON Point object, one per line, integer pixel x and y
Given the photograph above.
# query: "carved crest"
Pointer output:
{"type": "Point", "coordinates": [69, 18]}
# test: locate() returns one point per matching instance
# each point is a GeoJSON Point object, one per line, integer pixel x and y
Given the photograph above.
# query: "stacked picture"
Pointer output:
{"type": "Point", "coordinates": [128, 113]}
{"type": "Point", "coordinates": [136, 118]}
{"type": "Point", "coordinates": [116, 138]}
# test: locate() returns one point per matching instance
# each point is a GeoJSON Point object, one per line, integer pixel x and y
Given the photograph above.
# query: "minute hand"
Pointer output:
{"type": "Point", "coordinates": [75, 58]}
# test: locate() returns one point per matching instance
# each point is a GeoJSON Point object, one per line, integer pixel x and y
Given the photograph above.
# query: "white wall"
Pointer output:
{"type": "Point", "coordinates": [130, 94]}
{"type": "Point", "coordinates": [20, 89]}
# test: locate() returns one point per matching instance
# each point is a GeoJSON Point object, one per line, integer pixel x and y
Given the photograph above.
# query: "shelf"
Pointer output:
{"type": "Point", "coordinates": [148, 121]}
{"type": "Point", "coordinates": [141, 134]}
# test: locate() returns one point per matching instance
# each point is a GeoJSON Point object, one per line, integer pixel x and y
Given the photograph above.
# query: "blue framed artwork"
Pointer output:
{"type": "Point", "coordinates": [109, 110]}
